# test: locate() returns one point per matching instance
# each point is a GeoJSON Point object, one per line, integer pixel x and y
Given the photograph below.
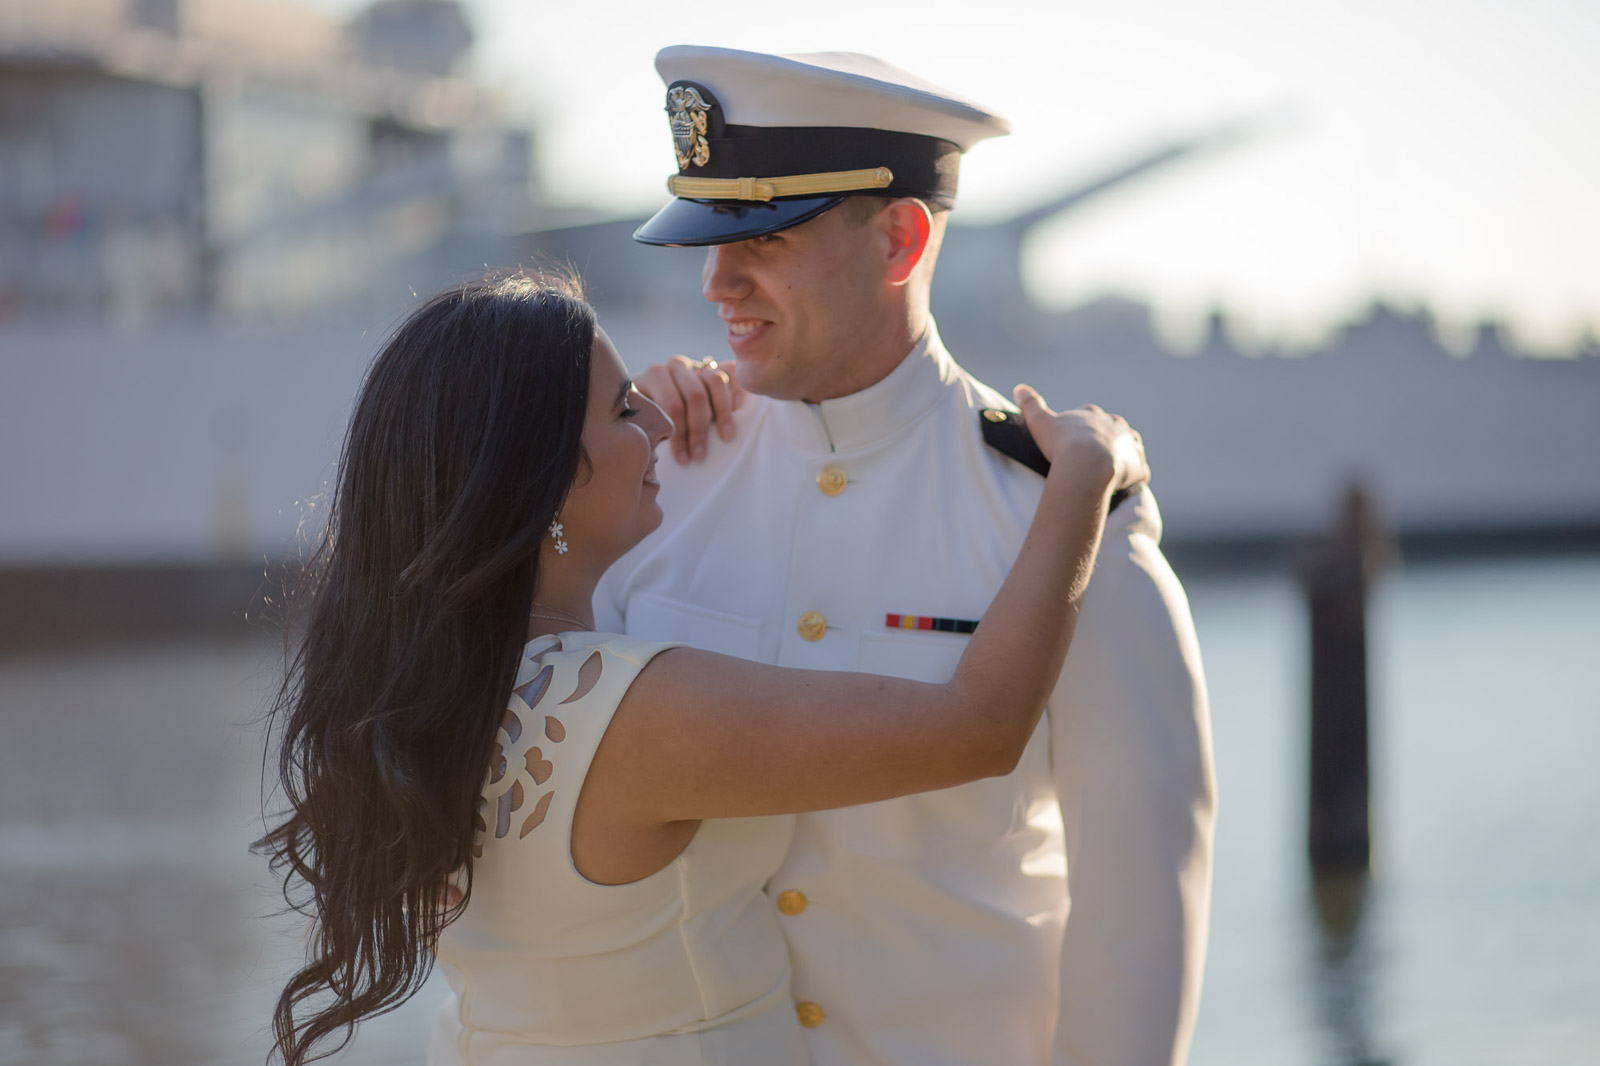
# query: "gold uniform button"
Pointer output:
{"type": "Point", "coordinates": [812, 625]}
{"type": "Point", "coordinates": [809, 1013]}
{"type": "Point", "coordinates": [792, 902]}
{"type": "Point", "coordinates": [831, 481]}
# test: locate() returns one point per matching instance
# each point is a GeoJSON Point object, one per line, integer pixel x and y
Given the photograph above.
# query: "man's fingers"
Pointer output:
{"type": "Point", "coordinates": [719, 389]}
{"type": "Point", "coordinates": [694, 394]}
{"type": "Point", "coordinates": [656, 383]}
{"type": "Point", "coordinates": [691, 385]}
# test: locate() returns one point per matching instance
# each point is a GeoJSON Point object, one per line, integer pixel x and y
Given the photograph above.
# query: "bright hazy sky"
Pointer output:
{"type": "Point", "coordinates": [1445, 153]}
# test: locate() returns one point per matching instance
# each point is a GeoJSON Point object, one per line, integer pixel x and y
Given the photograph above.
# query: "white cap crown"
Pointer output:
{"type": "Point", "coordinates": [829, 89]}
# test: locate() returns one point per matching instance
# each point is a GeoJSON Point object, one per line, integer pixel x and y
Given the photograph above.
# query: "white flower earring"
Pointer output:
{"type": "Point", "coordinates": [556, 529]}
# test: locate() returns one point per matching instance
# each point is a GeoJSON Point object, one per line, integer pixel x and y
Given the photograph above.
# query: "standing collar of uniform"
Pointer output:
{"type": "Point", "coordinates": [878, 411]}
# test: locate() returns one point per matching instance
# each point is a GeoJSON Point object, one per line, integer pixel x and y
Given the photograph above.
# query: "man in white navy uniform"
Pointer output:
{"type": "Point", "coordinates": [852, 516]}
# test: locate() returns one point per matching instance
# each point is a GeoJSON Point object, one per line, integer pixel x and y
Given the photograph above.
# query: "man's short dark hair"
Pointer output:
{"type": "Point", "coordinates": [858, 210]}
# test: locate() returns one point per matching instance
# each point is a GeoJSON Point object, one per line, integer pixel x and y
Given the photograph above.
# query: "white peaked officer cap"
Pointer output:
{"type": "Point", "coordinates": [765, 142]}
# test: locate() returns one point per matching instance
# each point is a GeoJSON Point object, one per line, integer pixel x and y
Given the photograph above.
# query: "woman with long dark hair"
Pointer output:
{"type": "Point", "coordinates": [578, 826]}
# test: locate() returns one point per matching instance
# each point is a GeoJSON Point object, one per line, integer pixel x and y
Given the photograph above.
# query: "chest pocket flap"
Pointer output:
{"type": "Point", "coordinates": [914, 656]}
{"type": "Point", "coordinates": [654, 617]}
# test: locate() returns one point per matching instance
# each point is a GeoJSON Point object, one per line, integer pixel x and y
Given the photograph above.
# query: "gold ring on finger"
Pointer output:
{"type": "Point", "coordinates": [709, 364]}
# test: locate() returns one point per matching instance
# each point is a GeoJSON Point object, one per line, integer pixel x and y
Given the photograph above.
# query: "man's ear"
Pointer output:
{"type": "Point", "coordinates": [908, 224]}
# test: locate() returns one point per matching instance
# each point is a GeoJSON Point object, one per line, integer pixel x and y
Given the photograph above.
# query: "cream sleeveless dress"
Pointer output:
{"type": "Point", "coordinates": [686, 967]}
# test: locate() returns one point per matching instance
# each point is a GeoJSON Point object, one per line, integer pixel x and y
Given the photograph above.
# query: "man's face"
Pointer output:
{"type": "Point", "coordinates": [795, 304]}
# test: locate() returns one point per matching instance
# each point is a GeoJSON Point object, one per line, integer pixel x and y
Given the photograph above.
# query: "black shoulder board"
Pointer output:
{"type": "Point", "coordinates": [1007, 433]}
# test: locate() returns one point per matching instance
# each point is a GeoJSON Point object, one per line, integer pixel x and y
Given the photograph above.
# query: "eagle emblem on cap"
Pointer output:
{"type": "Point", "coordinates": [686, 110]}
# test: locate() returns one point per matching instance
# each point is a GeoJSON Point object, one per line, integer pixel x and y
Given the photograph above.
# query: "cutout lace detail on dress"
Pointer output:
{"type": "Point", "coordinates": [532, 692]}
{"type": "Point", "coordinates": [588, 678]}
{"type": "Point", "coordinates": [508, 802]}
{"type": "Point", "coordinates": [539, 768]}
{"type": "Point", "coordinates": [540, 809]}
{"type": "Point", "coordinates": [505, 791]}
{"type": "Point", "coordinates": [512, 725]}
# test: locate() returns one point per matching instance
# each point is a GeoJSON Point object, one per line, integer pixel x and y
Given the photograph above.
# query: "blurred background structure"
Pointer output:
{"type": "Point", "coordinates": [212, 210]}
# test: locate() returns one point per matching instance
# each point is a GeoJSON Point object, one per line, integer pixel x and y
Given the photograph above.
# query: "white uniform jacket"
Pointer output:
{"type": "Point", "coordinates": [932, 930]}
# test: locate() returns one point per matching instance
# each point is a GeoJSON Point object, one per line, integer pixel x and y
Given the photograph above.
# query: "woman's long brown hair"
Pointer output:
{"type": "Point", "coordinates": [463, 443]}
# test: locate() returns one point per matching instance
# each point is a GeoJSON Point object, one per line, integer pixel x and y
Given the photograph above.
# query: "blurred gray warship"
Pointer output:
{"type": "Point", "coordinates": [211, 211]}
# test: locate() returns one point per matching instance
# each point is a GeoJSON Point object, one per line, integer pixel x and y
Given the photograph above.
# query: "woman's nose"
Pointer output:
{"type": "Point", "coordinates": [659, 423]}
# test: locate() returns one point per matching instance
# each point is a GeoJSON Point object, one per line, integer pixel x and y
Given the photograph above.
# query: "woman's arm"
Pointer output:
{"type": "Point", "coordinates": [700, 735]}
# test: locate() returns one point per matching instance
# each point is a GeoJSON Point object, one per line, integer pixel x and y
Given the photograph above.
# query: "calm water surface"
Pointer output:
{"type": "Point", "coordinates": [132, 926]}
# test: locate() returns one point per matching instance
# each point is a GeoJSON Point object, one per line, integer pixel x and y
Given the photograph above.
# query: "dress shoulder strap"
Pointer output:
{"type": "Point", "coordinates": [566, 691]}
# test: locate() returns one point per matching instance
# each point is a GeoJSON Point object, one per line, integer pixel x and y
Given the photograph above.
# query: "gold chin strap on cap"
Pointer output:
{"type": "Point", "coordinates": [788, 185]}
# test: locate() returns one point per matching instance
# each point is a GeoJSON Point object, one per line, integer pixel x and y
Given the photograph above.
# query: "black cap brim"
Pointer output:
{"type": "Point", "coordinates": [692, 223]}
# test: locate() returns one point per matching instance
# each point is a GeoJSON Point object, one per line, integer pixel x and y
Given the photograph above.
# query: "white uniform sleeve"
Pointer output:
{"type": "Point", "coordinates": [1131, 755]}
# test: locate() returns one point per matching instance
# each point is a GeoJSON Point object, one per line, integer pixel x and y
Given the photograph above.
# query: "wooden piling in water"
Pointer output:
{"type": "Point", "coordinates": [1336, 579]}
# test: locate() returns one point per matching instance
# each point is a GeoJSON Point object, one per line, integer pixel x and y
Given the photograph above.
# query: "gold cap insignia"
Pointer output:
{"type": "Point", "coordinates": [686, 110]}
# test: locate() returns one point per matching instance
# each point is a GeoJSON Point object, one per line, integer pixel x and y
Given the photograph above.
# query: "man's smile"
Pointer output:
{"type": "Point", "coordinates": [743, 327]}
